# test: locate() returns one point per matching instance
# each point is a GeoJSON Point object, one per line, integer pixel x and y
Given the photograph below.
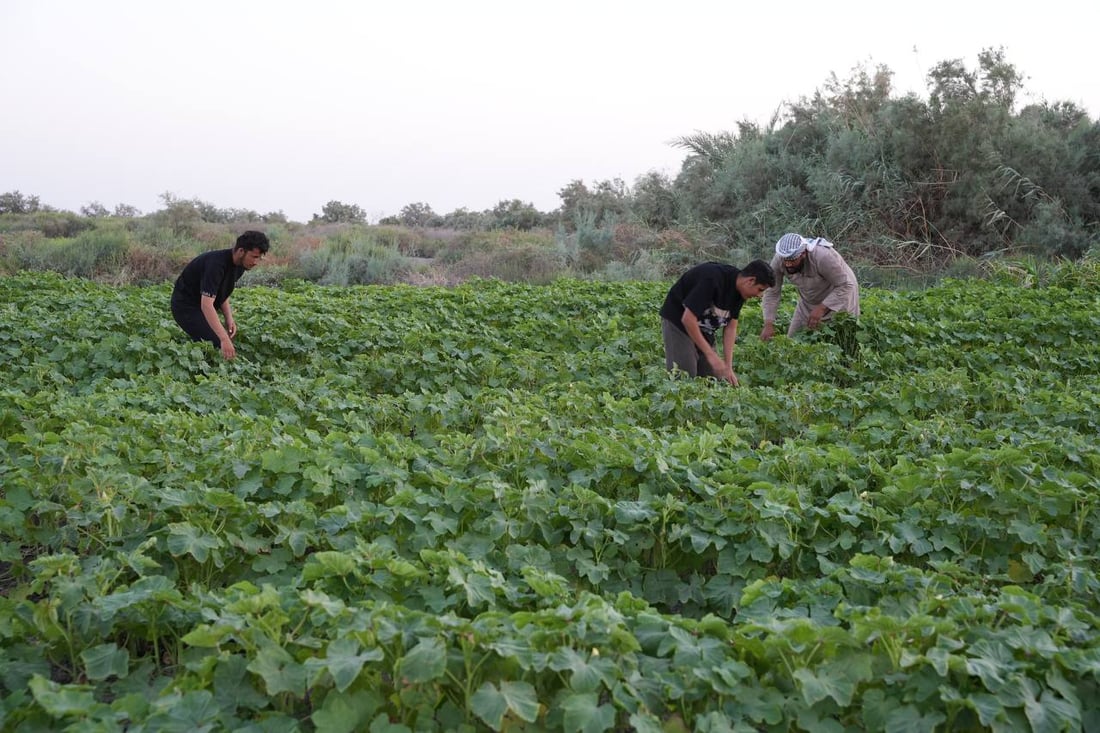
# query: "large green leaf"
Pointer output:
{"type": "Point", "coordinates": [837, 679]}
{"type": "Point", "coordinates": [492, 703]}
{"type": "Point", "coordinates": [344, 661]}
{"type": "Point", "coordinates": [327, 564]}
{"type": "Point", "coordinates": [346, 712]}
{"type": "Point", "coordinates": [62, 700]}
{"type": "Point", "coordinates": [424, 662]}
{"type": "Point", "coordinates": [105, 660]}
{"type": "Point", "coordinates": [280, 672]}
{"type": "Point", "coordinates": [583, 713]}
{"type": "Point", "coordinates": [186, 539]}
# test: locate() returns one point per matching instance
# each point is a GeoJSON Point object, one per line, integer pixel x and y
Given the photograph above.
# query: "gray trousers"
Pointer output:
{"type": "Point", "coordinates": [681, 352]}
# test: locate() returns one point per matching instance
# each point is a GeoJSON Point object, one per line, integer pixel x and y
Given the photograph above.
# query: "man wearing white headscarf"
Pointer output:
{"type": "Point", "coordinates": [825, 283]}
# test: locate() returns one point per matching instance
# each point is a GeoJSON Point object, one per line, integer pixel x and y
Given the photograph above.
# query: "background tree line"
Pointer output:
{"type": "Point", "coordinates": [899, 181]}
{"type": "Point", "coordinates": [958, 173]}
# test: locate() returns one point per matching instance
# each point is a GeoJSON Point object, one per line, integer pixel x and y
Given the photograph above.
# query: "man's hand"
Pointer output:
{"type": "Point", "coordinates": [231, 327]}
{"type": "Point", "coordinates": [721, 369]}
{"type": "Point", "coordinates": [819, 312]}
{"type": "Point", "coordinates": [228, 350]}
{"type": "Point", "coordinates": [767, 331]}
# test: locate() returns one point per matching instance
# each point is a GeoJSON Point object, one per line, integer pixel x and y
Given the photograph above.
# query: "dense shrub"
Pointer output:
{"type": "Point", "coordinates": [147, 266]}
{"type": "Point", "coordinates": [24, 250]}
{"type": "Point", "coordinates": [1051, 232]}
{"type": "Point", "coordinates": [410, 242]}
{"type": "Point", "coordinates": [96, 253]}
{"type": "Point", "coordinates": [93, 254]}
{"type": "Point", "coordinates": [524, 262]}
{"type": "Point", "coordinates": [270, 275]}
{"type": "Point", "coordinates": [1036, 271]}
{"type": "Point", "coordinates": [154, 234]}
{"type": "Point", "coordinates": [470, 244]}
{"type": "Point", "coordinates": [962, 173]}
{"type": "Point", "coordinates": [353, 257]}
{"type": "Point", "coordinates": [51, 224]}
{"type": "Point", "coordinates": [643, 265]}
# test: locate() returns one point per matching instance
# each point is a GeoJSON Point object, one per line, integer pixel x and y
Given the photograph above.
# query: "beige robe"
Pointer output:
{"type": "Point", "coordinates": [825, 278]}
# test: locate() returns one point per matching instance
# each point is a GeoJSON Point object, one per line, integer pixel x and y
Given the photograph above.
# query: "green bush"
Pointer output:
{"type": "Point", "coordinates": [376, 265]}
{"type": "Point", "coordinates": [1051, 233]}
{"type": "Point", "coordinates": [1034, 271]}
{"type": "Point", "coordinates": [154, 233]}
{"type": "Point", "coordinates": [147, 266]}
{"type": "Point", "coordinates": [52, 224]}
{"type": "Point", "coordinates": [95, 253]}
{"type": "Point", "coordinates": [409, 242]}
{"type": "Point", "coordinates": [269, 275]}
{"type": "Point", "coordinates": [593, 240]}
{"type": "Point", "coordinates": [478, 243]}
{"type": "Point", "coordinates": [353, 257]}
{"type": "Point", "coordinates": [644, 265]}
{"type": "Point", "coordinates": [524, 262]}
{"type": "Point", "coordinates": [24, 250]}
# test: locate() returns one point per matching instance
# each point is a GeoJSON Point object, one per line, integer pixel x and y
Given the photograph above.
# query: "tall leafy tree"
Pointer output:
{"type": "Point", "coordinates": [337, 212]}
{"type": "Point", "coordinates": [515, 214]}
{"type": "Point", "coordinates": [654, 201]}
{"type": "Point", "coordinates": [94, 210]}
{"type": "Point", "coordinates": [606, 200]}
{"type": "Point", "coordinates": [419, 215]}
{"type": "Point", "coordinates": [14, 202]}
{"type": "Point", "coordinates": [959, 172]}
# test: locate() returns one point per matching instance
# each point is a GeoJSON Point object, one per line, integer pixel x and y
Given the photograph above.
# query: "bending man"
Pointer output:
{"type": "Point", "coordinates": [204, 287]}
{"type": "Point", "coordinates": [706, 298]}
{"type": "Point", "coordinates": [825, 283]}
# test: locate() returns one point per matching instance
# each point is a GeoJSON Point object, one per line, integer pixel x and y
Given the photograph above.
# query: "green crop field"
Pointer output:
{"type": "Point", "coordinates": [490, 508]}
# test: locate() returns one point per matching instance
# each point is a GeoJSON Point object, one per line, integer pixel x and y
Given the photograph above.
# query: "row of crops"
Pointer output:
{"type": "Point", "coordinates": [490, 508]}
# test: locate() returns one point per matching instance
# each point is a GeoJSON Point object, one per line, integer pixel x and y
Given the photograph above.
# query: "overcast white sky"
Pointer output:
{"type": "Point", "coordinates": [273, 105]}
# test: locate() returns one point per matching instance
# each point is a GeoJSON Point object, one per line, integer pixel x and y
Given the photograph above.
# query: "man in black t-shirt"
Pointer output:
{"type": "Point", "coordinates": [204, 287]}
{"type": "Point", "coordinates": [706, 298]}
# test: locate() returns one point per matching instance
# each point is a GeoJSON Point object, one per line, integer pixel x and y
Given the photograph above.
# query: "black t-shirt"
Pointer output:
{"type": "Point", "coordinates": [211, 273]}
{"type": "Point", "coordinates": [710, 292]}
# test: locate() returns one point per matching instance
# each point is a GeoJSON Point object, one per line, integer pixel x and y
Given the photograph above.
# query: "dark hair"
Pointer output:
{"type": "Point", "coordinates": [760, 270]}
{"type": "Point", "coordinates": [253, 240]}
